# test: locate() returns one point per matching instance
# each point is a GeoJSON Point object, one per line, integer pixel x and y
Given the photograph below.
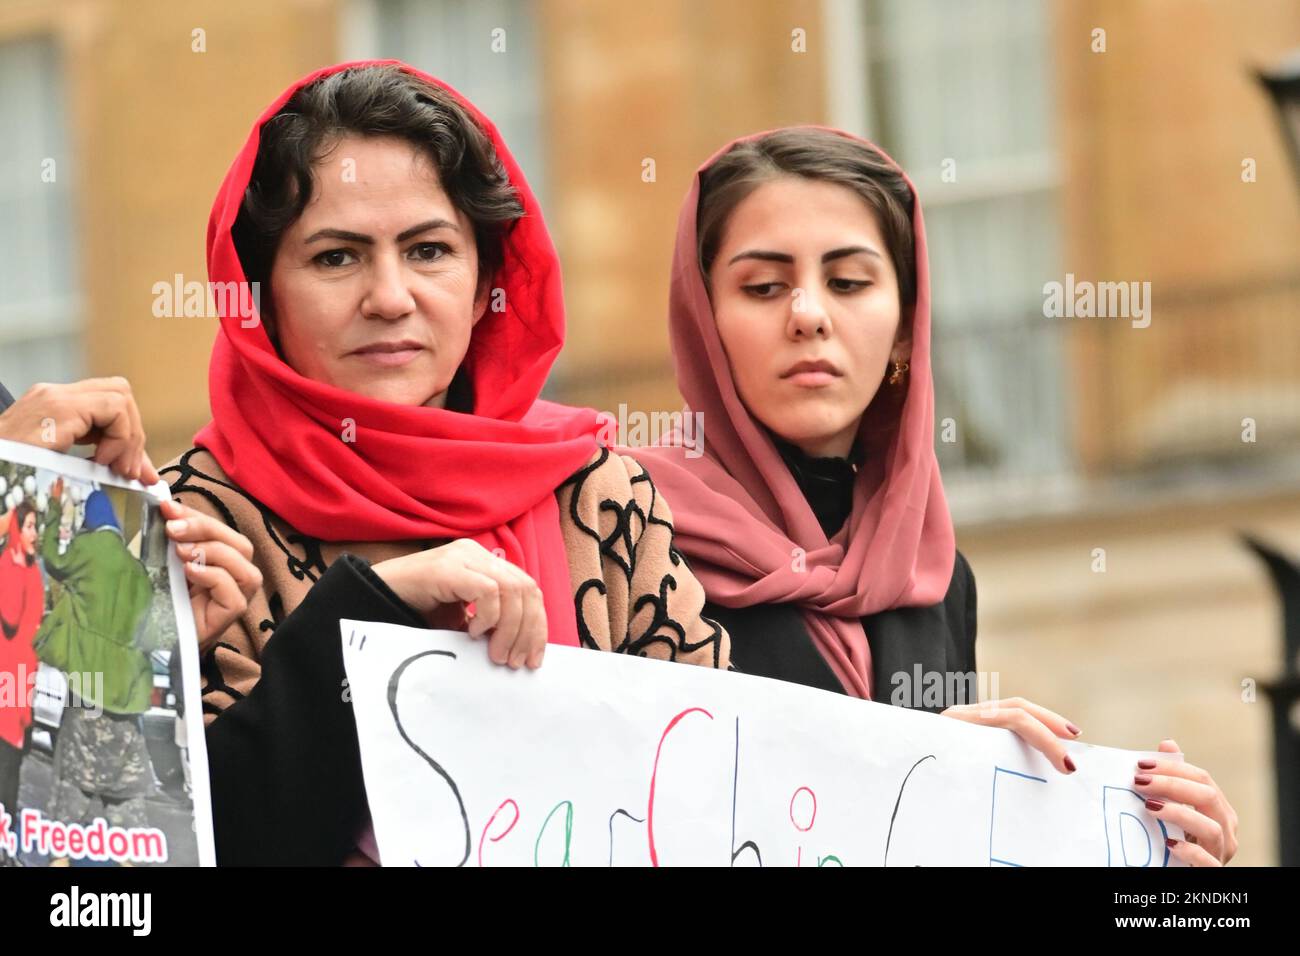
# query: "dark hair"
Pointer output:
{"type": "Point", "coordinates": [371, 101]}
{"type": "Point", "coordinates": [21, 511]}
{"type": "Point", "coordinates": [812, 154]}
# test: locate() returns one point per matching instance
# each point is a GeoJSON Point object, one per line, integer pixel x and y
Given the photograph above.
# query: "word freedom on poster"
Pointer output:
{"type": "Point", "coordinates": [606, 760]}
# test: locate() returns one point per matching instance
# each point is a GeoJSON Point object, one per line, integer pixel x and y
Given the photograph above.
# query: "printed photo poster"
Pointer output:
{"type": "Point", "coordinates": [600, 759]}
{"type": "Point", "coordinates": [102, 755]}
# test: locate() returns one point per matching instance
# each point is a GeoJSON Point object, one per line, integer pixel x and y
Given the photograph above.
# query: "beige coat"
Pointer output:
{"type": "Point", "coordinates": [633, 591]}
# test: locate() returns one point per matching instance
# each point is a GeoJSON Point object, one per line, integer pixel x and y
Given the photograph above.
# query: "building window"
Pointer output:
{"type": "Point", "coordinates": [486, 49]}
{"type": "Point", "coordinates": [960, 95]}
{"type": "Point", "coordinates": [39, 309]}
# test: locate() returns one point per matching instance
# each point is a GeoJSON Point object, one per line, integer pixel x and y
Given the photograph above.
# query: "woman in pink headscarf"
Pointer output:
{"type": "Point", "coordinates": [815, 517]}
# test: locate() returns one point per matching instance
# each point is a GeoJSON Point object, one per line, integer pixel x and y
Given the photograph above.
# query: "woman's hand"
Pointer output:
{"type": "Point", "coordinates": [218, 566]}
{"type": "Point", "coordinates": [1037, 726]}
{"type": "Point", "coordinates": [1188, 796]}
{"type": "Point", "coordinates": [507, 602]}
{"type": "Point", "coordinates": [101, 411]}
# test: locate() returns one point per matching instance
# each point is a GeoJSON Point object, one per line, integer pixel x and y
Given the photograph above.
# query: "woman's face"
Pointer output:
{"type": "Point", "coordinates": [29, 533]}
{"type": "Point", "coordinates": [375, 287]}
{"type": "Point", "coordinates": [806, 301]}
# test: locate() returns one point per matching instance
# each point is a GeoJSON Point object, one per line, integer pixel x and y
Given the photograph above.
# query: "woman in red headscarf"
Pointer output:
{"type": "Point", "coordinates": [22, 605]}
{"type": "Point", "coordinates": [815, 517]}
{"type": "Point", "coordinates": [377, 434]}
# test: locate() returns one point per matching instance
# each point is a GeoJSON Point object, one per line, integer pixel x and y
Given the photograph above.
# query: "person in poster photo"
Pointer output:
{"type": "Point", "coordinates": [22, 606]}
{"type": "Point", "coordinates": [101, 760]}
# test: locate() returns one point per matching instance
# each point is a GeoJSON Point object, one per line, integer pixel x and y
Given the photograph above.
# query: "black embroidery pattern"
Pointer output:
{"type": "Point", "coordinates": [213, 680]}
{"type": "Point", "coordinates": [622, 531]}
{"type": "Point", "coordinates": [660, 619]}
{"type": "Point", "coordinates": [309, 566]}
{"type": "Point", "coordinates": [673, 554]}
{"type": "Point", "coordinates": [623, 534]}
{"type": "Point", "coordinates": [584, 629]}
{"type": "Point", "coordinates": [619, 549]}
{"type": "Point", "coordinates": [276, 604]}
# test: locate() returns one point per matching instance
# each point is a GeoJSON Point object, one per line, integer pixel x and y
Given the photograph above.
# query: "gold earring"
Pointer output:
{"type": "Point", "coordinates": [900, 368]}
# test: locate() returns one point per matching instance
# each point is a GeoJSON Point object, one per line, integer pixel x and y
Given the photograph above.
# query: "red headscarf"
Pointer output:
{"type": "Point", "coordinates": [740, 516]}
{"type": "Point", "coordinates": [22, 605]}
{"type": "Point", "coordinates": [412, 472]}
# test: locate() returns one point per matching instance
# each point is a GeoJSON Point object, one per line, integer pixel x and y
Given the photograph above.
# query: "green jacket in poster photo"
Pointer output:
{"type": "Point", "coordinates": [94, 624]}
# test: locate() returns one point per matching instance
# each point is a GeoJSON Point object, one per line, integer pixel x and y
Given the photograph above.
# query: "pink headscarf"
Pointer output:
{"type": "Point", "coordinates": [744, 524]}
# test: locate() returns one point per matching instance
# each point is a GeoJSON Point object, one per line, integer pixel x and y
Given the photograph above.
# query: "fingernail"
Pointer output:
{"type": "Point", "coordinates": [1154, 805]}
{"type": "Point", "coordinates": [176, 525]}
{"type": "Point", "coordinates": [1147, 764]}
{"type": "Point", "coordinates": [1141, 779]}
{"type": "Point", "coordinates": [1170, 842]}
{"type": "Point", "coordinates": [1069, 764]}
{"type": "Point", "coordinates": [1073, 729]}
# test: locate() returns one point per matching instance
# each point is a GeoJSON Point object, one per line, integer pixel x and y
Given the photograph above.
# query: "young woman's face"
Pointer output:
{"type": "Point", "coordinates": [29, 533]}
{"type": "Point", "coordinates": [375, 287]}
{"type": "Point", "coordinates": [806, 301]}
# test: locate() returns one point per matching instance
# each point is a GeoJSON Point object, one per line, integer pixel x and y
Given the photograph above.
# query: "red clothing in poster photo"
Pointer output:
{"type": "Point", "coordinates": [22, 605]}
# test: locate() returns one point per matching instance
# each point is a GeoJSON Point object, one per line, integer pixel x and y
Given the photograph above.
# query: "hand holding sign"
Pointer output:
{"type": "Point", "coordinates": [1037, 726]}
{"type": "Point", "coordinates": [507, 603]}
{"type": "Point", "coordinates": [1202, 809]}
{"type": "Point", "coordinates": [98, 411]}
{"type": "Point", "coordinates": [218, 568]}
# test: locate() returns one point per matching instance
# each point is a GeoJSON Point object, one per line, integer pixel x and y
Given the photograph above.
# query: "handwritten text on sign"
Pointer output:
{"type": "Point", "coordinates": [600, 759]}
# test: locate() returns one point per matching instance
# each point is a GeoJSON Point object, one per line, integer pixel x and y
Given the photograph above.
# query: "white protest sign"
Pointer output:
{"type": "Point", "coordinates": [601, 759]}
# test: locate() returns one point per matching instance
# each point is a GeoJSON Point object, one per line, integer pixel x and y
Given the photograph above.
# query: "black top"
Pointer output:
{"type": "Point", "coordinates": [284, 760]}
{"type": "Point", "coordinates": [921, 657]}
{"type": "Point", "coordinates": [5, 398]}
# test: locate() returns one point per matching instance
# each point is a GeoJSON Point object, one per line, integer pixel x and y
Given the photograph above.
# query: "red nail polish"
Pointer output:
{"type": "Point", "coordinates": [1073, 729]}
{"type": "Point", "coordinates": [1154, 805]}
{"type": "Point", "coordinates": [1069, 764]}
{"type": "Point", "coordinates": [1171, 842]}
{"type": "Point", "coordinates": [1147, 764]}
{"type": "Point", "coordinates": [1141, 779]}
